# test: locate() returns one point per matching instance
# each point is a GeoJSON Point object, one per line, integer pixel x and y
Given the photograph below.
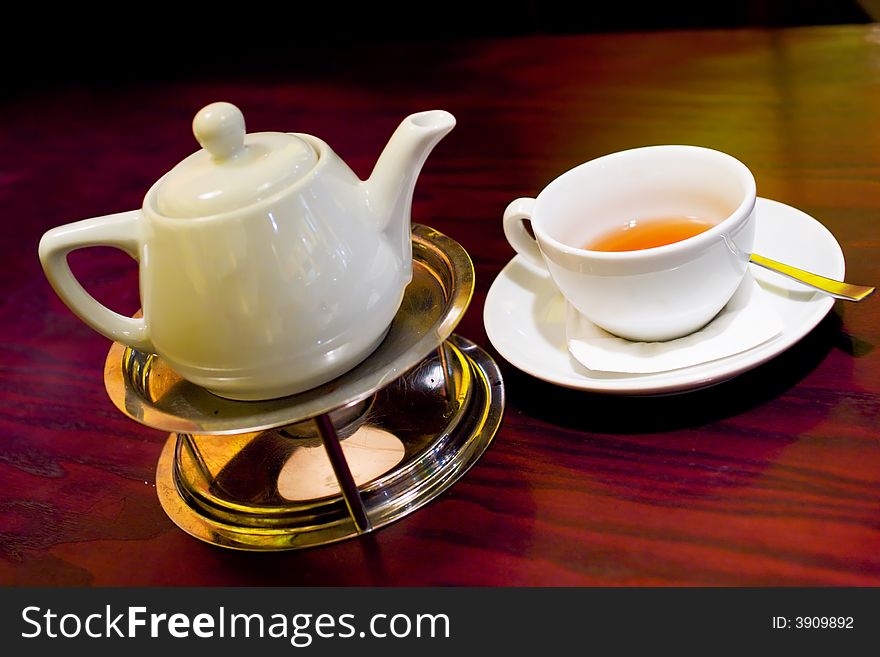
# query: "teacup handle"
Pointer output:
{"type": "Point", "coordinates": [516, 233]}
{"type": "Point", "coordinates": [122, 231]}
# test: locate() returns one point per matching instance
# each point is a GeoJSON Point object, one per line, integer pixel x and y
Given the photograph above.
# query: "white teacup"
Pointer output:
{"type": "Point", "coordinates": [651, 294]}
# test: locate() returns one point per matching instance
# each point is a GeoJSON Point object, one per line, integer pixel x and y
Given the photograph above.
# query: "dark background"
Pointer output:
{"type": "Point", "coordinates": [133, 42]}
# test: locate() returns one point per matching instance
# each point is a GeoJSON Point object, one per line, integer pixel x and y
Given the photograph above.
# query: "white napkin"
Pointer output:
{"type": "Point", "coordinates": [746, 321]}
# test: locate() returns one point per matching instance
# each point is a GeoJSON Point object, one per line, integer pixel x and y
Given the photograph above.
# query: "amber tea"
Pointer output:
{"type": "Point", "coordinates": [638, 234]}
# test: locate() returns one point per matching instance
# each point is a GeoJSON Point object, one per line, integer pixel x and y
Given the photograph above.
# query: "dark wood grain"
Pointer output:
{"type": "Point", "coordinates": [770, 479]}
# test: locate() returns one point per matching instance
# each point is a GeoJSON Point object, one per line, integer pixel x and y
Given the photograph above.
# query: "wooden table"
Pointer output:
{"type": "Point", "coordinates": [770, 479]}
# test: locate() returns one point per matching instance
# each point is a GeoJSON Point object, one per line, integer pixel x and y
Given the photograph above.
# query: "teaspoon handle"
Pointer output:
{"type": "Point", "coordinates": [837, 289]}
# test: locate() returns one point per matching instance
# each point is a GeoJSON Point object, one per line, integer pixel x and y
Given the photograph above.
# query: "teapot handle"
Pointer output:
{"type": "Point", "coordinates": [122, 231]}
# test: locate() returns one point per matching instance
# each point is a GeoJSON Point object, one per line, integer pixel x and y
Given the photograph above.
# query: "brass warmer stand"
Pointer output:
{"type": "Point", "coordinates": [391, 434]}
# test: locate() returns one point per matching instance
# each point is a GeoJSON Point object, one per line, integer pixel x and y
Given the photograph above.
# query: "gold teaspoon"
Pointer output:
{"type": "Point", "coordinates": [837, 289]}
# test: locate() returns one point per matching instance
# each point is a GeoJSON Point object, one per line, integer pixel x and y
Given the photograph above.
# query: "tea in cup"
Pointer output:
{"type": "Point", "coordinates": [649, 243]}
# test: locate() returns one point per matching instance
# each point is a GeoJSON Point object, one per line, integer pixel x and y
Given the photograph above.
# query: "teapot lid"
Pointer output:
{"type": "Point", "coordinates": [233, 169]}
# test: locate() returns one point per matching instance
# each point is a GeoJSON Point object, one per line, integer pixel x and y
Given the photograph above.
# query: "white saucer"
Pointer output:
{"type": "Point", "coordinates": [524, 313]}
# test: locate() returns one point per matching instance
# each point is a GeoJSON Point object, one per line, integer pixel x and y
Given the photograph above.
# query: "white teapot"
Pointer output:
{"type": "Point", "coordinates": [266, 266]}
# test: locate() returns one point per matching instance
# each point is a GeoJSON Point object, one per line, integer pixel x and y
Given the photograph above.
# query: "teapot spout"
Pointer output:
{"type": "Point", "coordinates": [393, 180]}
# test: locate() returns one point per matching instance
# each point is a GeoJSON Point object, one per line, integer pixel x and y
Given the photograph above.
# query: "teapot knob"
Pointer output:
{"type": "Point", "coordinates": [219, 128]}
